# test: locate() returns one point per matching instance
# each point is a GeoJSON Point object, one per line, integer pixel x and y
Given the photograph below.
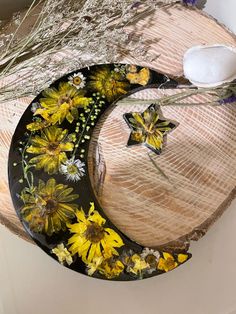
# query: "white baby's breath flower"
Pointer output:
{"type": "Point", "coordinates": [73, 169]}
{"type": "Point", "coordinates": [77, 80]}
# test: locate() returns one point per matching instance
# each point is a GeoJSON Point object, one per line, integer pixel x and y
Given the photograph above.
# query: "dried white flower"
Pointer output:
{"type": "Point", "coordinates": [73, 169]}
{"type": "Point", "coordinates": [151, 257]}
{"type": "Point", "coordinates": [77, 80]}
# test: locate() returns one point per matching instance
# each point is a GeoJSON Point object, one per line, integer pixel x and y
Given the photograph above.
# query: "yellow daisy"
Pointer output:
{"type": "Point", "coordinates": [48, 209]}
{"type": "Point", "coordinates": [109, 83]}
{"type": "Point", "coordinates": [62, 103]}
{"type": "Point", "coordinates": [111, 268]}
{"type": "Point", "coordinates": [91, 238]}
{"type": "Point", "coordinates": [51, 148]}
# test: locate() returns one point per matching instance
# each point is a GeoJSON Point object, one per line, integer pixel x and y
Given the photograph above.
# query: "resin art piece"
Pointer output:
{"type": "Point", "coordinates": [54, 197]}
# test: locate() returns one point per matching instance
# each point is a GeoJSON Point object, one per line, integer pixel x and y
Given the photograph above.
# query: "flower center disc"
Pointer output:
{"type": "Point", "coordinates": [64, 99]}
{"type": "Point", "coordinates": [51, 206]}
{"type": "Point", "coordinates": [52, 147]}
{"type": "Point", "coordinates": [77, 80]}
{"type": "Point", "coordinates": [94, 233]}
{"type": "Point", "coordinates": [72, 169]}
{"type": "Point", "coordinates": [151, 260]}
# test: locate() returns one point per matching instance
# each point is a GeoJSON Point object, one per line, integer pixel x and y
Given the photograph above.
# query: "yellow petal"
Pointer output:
{"type": "Point", "coordinates": [92, 208]}
{"type": "Point", "coordinates": [168, 255]}
{"type": "Point", "coordinates": [182, 258]}
{"type": "Point", "coordinates": [139, 119]}
{"type": "Point", "coordinates": [112, 238]}
{"type": "Point", "coordinates": [96, 217]}
{"type": "Point", "coordinates": [81, 215]}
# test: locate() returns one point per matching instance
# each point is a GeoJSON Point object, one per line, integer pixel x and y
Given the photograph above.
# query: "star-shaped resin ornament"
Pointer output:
{"type": "Point", "coordinates": [149, 128]}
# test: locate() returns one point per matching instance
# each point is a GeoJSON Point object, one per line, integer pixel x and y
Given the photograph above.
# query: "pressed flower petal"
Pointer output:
{"type": "Point", "coordinates": [67, 147]}
{"type": "Point", "coordinates": [39, 141]}
{"type": "Point", "coordinates": [168, 255]}
{"type": "Point", "coordinates": [81, 215]}
{"type": "Point", "coordinates": [182, 258]}
{"type": "Point", "coordinates": [50, 92]}
{"type": "Point", "coordinates": [113, 237]}
{"type": "Point", "coordinates": [138, 119]}
{"type": "Point", "coordinates": [96, 217]}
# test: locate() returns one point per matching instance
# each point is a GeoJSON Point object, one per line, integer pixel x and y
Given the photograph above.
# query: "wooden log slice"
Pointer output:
{"type": "Point", "coordinates": [199, 158]}
{"type": "Point", "coordinates": [194, 179]}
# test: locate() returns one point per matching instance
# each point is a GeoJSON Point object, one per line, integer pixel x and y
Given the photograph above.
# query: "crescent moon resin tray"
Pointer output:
{"type": "Point", "coordinates": [57, 171]}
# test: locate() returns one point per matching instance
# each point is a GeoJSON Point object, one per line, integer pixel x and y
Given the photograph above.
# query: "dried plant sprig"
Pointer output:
{"type": "Point", "coordinates": [91, 32]}
{"type": "Point", "coordinates": [225, 93]}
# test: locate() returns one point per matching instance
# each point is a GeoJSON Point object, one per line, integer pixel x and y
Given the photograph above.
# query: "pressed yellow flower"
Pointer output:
{"type": "Point", "coordinates": [62, 254]}
{"type": "Point", "coordinates": [90, 237]}
{"type": "Point", "coordinates": [62, 103]}
{"type": "Point", "coordinates": [137, 265]}
{"type": "Point", "coordinates": [149, 127]}
{"type": "Point", "coordinates": [51, 148]}
{"type": "Point", "coordinates": [94, 265]}
{"type": "Point", "coordinates": [48, 209]}
{"type": "Point", "coordinates": [142, 77]}
{"type": "Point", "coordinates": [167, 263]}
{"type": "Point", "coordinates": [182, 258]}
{"type": "Point", "coordinates": [109, 83]}
{"type": "Point", "coordinates": [111, 268]}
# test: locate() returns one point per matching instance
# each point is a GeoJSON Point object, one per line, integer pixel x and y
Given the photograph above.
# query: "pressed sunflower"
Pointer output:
{"type": "Point", "coordinates": [91, 239]}
{"type": "Point", "coordinates": [51, 148]}
{"type": "Point", "coordinates": [48, 209]}
{"type": "Point", "coordinates": [109, 83]}
{"type": "Point", "coordinates": [149, 127]}
{"type": "Point", "coordinates": [62, 103]}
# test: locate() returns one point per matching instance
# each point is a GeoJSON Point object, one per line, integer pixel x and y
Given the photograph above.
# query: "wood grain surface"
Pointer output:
{"type": "Point", "coordinates": [199, 158]}
{"type": "Point", "coordinates": [198, 163]}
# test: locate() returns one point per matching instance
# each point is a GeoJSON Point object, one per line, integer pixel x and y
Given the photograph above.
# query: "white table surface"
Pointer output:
{"type": "Point", "coordinates": [32, 283]}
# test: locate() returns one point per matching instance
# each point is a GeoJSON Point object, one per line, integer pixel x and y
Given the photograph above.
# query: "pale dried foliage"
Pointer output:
{"type": "Point", "coordinates": [67, 35]}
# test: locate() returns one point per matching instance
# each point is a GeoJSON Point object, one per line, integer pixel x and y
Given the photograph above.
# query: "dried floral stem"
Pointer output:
{"type": "Point", "coordinates": [93, 30]}
{"type": "Point", "coordinates": [176, 99]}
{"type": "Point", "coordinates": [26, 167]}
{"type": "Point", "coordinates": [134, 101]}
{"type": "Point", "coordinates": [158, 168]}
{"type": "Point", "coordinates": [84, 129]}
